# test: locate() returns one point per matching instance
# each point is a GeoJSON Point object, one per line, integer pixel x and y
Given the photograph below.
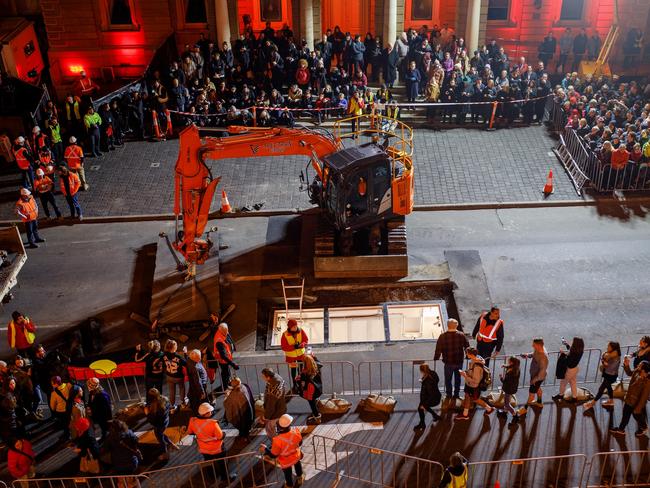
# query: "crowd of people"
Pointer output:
{"type": "Point", "coordinates": [612, 119]}
{"type": "Point", "coordinates": [83, 413]}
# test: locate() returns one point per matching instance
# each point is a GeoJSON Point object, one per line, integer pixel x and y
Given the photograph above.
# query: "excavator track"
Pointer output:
{"type": "Point", "coordinates": [324, 241]}
{"type": "Point", "coordinates": [396, 237]}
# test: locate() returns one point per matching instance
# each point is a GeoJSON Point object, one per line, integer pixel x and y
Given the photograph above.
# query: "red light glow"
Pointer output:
{"type": "Point", "coordinates": [76, 68]}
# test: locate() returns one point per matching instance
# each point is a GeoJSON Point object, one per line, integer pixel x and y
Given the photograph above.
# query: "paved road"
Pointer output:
{"type": "Point", "coordinates": [455, 166]}
{"type": "Point", "coordinates": [555, 271]}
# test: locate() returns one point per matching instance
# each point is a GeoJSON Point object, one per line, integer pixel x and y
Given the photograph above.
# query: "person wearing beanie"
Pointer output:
{"type": "Point", "coordinates": [294, 343]}
{"type": "Point", "coordinates": [286, 448]}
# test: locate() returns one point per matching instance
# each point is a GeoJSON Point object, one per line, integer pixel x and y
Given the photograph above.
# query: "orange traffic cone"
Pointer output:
{"type": "Point", "coordinates": [169, 130]}
{"type": "Point", "coordinates": [156, 126]}
{"type": "Point", "coordinates": [225, 204]}
{"type": "Point", "coordinates": [548, 187]}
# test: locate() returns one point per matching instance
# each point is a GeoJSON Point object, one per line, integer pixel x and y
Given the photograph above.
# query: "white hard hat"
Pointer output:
{"type": "Point", "coordinates": [40, 172]}
{"type": "Point", "coordinates": [25, 192]}
{"type": "Point", "coordinates": [36, 129]}
{"type": "Point", "coordinates": [285, 421]}
{"type": "Point", "coordinates": [205, 409]}
{"type": "Point", "coordinates": [19, 140]}
{"type": "Point", "coordinates": [223, 325]}
{"type": "Point", "coordinates": [73, 139]}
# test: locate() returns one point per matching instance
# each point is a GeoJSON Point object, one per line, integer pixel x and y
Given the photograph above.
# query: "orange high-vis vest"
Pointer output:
{"type": "Point", "coordinates": [73, 156]}
{"type": "Point", "coordinates": [209, 435]}
{"type": "Point", "coordinates": [75, 184]}
{"type": "Point", "coordinates": [22, 158]}
{"type": "Point", "coordinates": [27, 211]}
{"type": "Point", "coordinates": [486, 332]}
{"type": "Point", "coordinates": [296, 353]}
{"type": "Point", "coordinates": [286, 447]}
{"type": "Point", "coordinates": [221, 338]}
{"type": "Point", "coordinates": [43, 185]}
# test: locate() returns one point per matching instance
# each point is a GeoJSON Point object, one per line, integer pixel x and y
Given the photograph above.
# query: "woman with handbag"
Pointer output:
{"type": "Point", "coordinates": [567, 368]}
{"type": "Point", "coordinates": [609, 365]}
{"type": "Point", "coordinates": [21, 461]}
{"type": "Point", "coordinates": [310, 386]}
{"type": "Point", "coordinates": [86, 446]}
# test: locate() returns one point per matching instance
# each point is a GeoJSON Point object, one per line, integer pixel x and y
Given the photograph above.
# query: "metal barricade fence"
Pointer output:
{"type": "Point", "coordinates": [338, 377]}
{"type": "Point", "coordinates": [538, 472]}
{"type": "Point", "coordinates": [247, 470]}
{"type": "Point", "coordinates": [132, 481]}
{"type": "Point", "coordinates": [369, 465]}
{"type": "Point", "coordinates": [627, 468]}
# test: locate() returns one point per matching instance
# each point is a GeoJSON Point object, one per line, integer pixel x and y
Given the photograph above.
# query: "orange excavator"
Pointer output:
{"type": "Point", "coordinates": [364, 191]}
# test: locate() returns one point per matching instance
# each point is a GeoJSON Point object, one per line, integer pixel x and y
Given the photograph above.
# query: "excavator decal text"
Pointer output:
{"type": "Point", "coordinates": [271, 147]}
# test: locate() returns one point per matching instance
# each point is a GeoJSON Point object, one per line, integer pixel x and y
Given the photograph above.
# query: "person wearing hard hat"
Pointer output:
{"type": "Point", "coordinates": [294, 342]}
{"type": "Point", "coordinates": [74, 158]}
{"type": "Point", "coordinates": [55, 136]}
{"type": "Point", "coordinates": [85, 87]}
{"type": "Point", "coordinates": [223, 347]}
{"type": "Point", "coordinates": [286, 448]}
{"type": "Point", "coordinates": [209, 438]}
{"type": "Point", "coordinates": [43, 187]}
{"type": "Point", "coordinates": [70, 184]}
{"type": "Point", "coordinates": [92, 122]}
{"type": "Point", "coordinates": [27, 210]}
{"type": "Point", "coordinates": [25, 161]}
{"type": "Point", "coordinates": [39, 139]}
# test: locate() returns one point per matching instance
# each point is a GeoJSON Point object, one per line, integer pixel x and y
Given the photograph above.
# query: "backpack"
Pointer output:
{"type": "Point", "coordinates": [486, 379]}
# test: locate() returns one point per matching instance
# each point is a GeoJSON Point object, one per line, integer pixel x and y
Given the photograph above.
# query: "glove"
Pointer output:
{"type": "Point", "coordinates": [236, 366]}
{"type": "Point", "coordinates": [297, 346]}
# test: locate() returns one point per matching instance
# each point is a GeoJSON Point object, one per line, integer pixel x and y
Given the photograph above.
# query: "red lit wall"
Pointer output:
{"type": "Point", "coordinates": [252, 8]}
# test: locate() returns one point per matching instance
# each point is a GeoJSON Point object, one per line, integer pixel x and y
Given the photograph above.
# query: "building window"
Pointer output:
{"type": "Point", "coordinates": [195, 12]}
{"type": "Point", "coordinates": [498, 9]}
{"type": "Point", "coordinates": [120, 12]}
{"type": "Point", "coordinates": [572, 9]}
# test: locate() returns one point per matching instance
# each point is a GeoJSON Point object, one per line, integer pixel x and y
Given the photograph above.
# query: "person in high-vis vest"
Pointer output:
{"type": "Point", "coordinates": [21, 334]}
{"type": "Point", "coordinates": [92, 122]}
{"type": "Point", "coordinates": [27, 210]}
{"type": "Point", "coordinates": [43, 187]}
{"type": "Point", "coordinates": [355, 108]}
{"type": "Point", "coordinates": [286, 449]}
{"type": "Point", "coordinates": [25, 161]}
{"type": "Point", "coordinates": [209, 438]}
{"type": "Point", "coordinates": [39, 139]}
{"type": "Point", "coordinates": [488, 333]}
{"type": "Point", "coordinates": [294, 343]}
{"type": "Point", "coordinates": [74, 158]}
{"type": "Point", "coordinates": [70, 184]}
{"type": "Point", "coordinates": [73, 119]}
{"type": "Point", "coordinates": [57, 140]}
{"type": "Point", "coordinates": [455, 475]}
{"type": "Point", "coordinates": [223, 347]}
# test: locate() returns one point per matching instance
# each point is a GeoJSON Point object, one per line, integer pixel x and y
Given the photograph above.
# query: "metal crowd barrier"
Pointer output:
{"type": "Point", "coordinates": [251, 472]}
{"type": "Point", "coordinates": [133, 481]}
{"type": "Point", "coordinates": [537, 472]}
{"type": "Point", "coordinates": [628, 468]}
{"type": "Point", "coordinates": [369, 465]}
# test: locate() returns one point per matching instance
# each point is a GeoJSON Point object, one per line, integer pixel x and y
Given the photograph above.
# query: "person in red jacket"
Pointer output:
{"type": "Point", "coordinates": [294, 343]}
{"type": "Point", "coordinates": [21, 459]}
{"type": "Point", "coordinates": [21, 334]}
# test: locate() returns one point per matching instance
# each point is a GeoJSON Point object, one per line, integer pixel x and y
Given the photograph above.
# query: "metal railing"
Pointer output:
{"type": "Point", "coordinates": [130, 481]}
{"type": "Point", "coordinates": [628, 468]}
{"type": "Point", "coordinates": [370, 465]}
{"type": "Point", "coordinates": [537, 472]}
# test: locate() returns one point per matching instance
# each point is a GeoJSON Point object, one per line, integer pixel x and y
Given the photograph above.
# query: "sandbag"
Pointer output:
{"type": "Point", "coordinates": [584, 395]}
{"type": "Point", "coordinates": [620, 389]}
{"type": "Point", "coordinates": [379, 403]}
{"type": "Point", "coordinates": [334, 405]}
{"type": "Point", "coordinates": [497, 399]}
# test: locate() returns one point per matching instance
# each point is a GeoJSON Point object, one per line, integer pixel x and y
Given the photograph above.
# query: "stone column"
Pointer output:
{"type": "Point", "coordinates": [307, 21]}
{"type": "Point", "coordinates": [390, 22]}
{"type": "Point", "coordinates": [473, 25]}
{"type": "Point", "coordinates": [223, 22]}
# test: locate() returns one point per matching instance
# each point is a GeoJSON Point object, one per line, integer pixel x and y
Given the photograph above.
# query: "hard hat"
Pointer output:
{"type": "Point", "coordinates": [73, 139]}
{"type": "Point", "coordinates": [205, 409]}
{"type": "Point", "coordinates": [285, 421]}
{"type": "Point", "coordinates": [92, 383]}
{"type": "Point", "coordinates": [19, 140]}
{"type": "Point", "coordinates": [40, 172]}
{"type": "Point", "coordinates": [25, 192]}
{"type": "Point", "coordinates": [36, 129]}
{"type": "Point", "coordinates": [292, 323]}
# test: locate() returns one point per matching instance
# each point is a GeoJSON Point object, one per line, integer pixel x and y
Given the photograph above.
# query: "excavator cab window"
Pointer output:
{"type": "Point", "coordinates": [380, 185]}
{"type": "Point", "coordinates": [357, 195]}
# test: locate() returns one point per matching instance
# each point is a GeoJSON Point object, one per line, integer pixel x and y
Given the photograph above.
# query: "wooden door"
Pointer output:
{"type": "Point", "coordinates": [350, 15]}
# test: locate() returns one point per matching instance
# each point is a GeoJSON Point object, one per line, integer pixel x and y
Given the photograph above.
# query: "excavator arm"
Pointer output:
{"type": "Point", "coordinates": [195, 185]}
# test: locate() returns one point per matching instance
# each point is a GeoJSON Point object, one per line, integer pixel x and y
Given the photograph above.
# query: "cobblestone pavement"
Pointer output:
{"type": "Point", "coordinates": [454, 166]}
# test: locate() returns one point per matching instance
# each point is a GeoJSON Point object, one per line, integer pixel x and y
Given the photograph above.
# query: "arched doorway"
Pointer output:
{"type": "Point", "coordinates": [350, 15]}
